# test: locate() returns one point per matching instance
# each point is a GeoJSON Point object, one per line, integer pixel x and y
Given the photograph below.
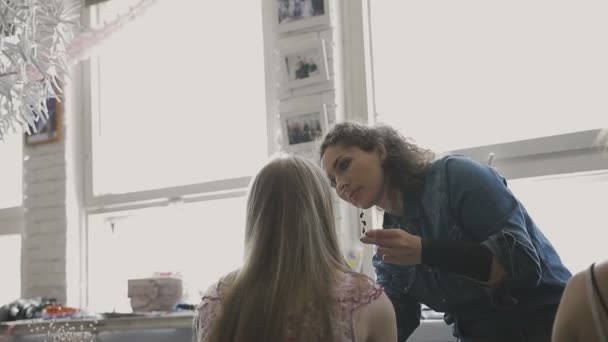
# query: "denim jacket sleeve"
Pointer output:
{"type": "Point", "coordinates": [488, 211]}
{"type": "Point", "coordinates": [407, 310]}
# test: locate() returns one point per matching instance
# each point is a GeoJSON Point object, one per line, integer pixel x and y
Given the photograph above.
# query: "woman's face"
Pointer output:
{"type": "Point", "coordinates": [357, 175]}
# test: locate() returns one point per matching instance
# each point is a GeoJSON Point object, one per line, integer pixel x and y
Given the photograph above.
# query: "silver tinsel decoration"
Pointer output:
{"type": "Point", "coordinates": [34, 35]}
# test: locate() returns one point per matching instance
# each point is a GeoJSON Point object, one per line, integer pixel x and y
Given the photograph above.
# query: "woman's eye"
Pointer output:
{"type": "Point", "coordinates": [342, 165]}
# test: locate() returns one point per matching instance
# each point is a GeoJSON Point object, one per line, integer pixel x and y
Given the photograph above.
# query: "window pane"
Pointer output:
{"type": "Point", "coordinates": [182, 97]}
{"type": "Point", "coordinates": [10, 286]}
{"type": "Point", "coordinates": [571, 212]}
{"type": "Point", "coordinates": [460, 74]}
{"type": "Point", "coordinates": [202, 241]}
{"type": "Point", "coordinates": [12, 170]}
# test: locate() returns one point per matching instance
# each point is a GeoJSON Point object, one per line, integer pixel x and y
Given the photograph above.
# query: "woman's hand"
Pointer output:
{"type": "Point", "coordinates": [395, 246]}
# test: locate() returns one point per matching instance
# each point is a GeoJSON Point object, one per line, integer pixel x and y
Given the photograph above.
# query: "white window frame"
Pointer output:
{"type": "Point", "coordinates": [146, 198]}
{"type": "Point", "coordinates": [117, 205]}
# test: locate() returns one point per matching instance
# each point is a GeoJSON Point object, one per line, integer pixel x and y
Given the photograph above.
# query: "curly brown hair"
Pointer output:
{"type": "Point", "coordinates": [406, 163]}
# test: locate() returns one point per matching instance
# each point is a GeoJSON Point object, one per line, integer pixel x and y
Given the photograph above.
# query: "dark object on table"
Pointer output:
{"type": "Point", "coordinates": [25, 309]}
{"type": "Point", "coordinates": [184, 307]}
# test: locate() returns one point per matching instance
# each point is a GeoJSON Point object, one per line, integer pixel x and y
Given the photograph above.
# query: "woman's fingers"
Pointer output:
{"type": "Point", "coordinates": [395, 246]}
{"type": "Point", "coordinates": [367, 240]}
{"type": "Point", "coordinates": [391, 260]}
{"type": "Point", "coordinates": [401, 255]}
{"type": "Point", "coordinates": [383, 237]}
{"type": "Point", "coordinates": [383, 251]}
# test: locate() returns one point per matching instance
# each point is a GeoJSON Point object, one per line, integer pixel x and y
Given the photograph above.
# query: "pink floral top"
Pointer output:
{"type": "Point", "coordinates": [352, 292]}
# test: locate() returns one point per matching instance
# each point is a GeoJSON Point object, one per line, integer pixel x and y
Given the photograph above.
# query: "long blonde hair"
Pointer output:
{"type": "Point", "coordinates": [292, 256]}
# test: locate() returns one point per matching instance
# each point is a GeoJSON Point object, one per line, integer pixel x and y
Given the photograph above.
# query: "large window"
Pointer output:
{"type": "Point", "coordinates": [523, 79]}
{"type": "Point", "coordinates": [12, 170]}
{"type": "Point", "coordinates": [201, 241]}
{"type": "Point", "coordinates": [571, 212]}
{"type": "Point", "coordinates": [181, 96]}
{"type": "Point", "coordinates": [454, 75]}
{"type": "Point", "coordinates": [178, 115]}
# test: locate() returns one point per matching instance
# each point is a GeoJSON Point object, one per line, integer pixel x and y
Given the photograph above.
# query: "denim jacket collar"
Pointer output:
{"type": "Point", "coordinates": [411, 209]}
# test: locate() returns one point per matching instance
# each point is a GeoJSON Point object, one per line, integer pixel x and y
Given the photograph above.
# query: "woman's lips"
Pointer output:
{"type": "Point", "coordinates": [353, 195]}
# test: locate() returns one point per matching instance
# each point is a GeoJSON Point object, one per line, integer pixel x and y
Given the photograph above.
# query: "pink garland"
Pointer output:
{"type": "Point", "coordinates": [88, 41]}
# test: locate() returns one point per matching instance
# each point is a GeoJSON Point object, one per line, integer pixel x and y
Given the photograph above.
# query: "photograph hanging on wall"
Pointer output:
{"type": "Point", "coordinates": [304, 63]}
{"type": "Point", "coordinates": [302, 128]}
{"type": "Point", "coordinates": [299, 14]}
{"type": "Point", "coordinates": [47, 129]}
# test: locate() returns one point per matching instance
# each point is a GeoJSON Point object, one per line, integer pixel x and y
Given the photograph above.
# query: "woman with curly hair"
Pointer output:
{"type": "Point", "coordinates": [455, 237]}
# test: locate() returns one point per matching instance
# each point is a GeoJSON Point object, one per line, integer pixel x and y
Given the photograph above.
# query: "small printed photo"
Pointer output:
{"type": "Point", "coordinates": [303, 65]}
{"type": "Point", "coordinates": [47, 129]}
{"type": "Point", "coordinates": [294, 10]}
{"type": "Point", "coordinates": [304, 128]}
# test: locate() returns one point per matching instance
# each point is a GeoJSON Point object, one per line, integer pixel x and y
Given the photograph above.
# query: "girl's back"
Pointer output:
{"type": "Point", "coordinates": [363, 313]}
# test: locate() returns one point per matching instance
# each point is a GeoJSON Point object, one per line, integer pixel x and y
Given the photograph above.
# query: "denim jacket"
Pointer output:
{"type": "Point", "coordinates": [465, 200]}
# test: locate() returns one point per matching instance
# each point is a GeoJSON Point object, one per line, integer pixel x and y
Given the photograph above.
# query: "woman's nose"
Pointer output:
{"type": "Point", "coordinates": [342, 185]}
